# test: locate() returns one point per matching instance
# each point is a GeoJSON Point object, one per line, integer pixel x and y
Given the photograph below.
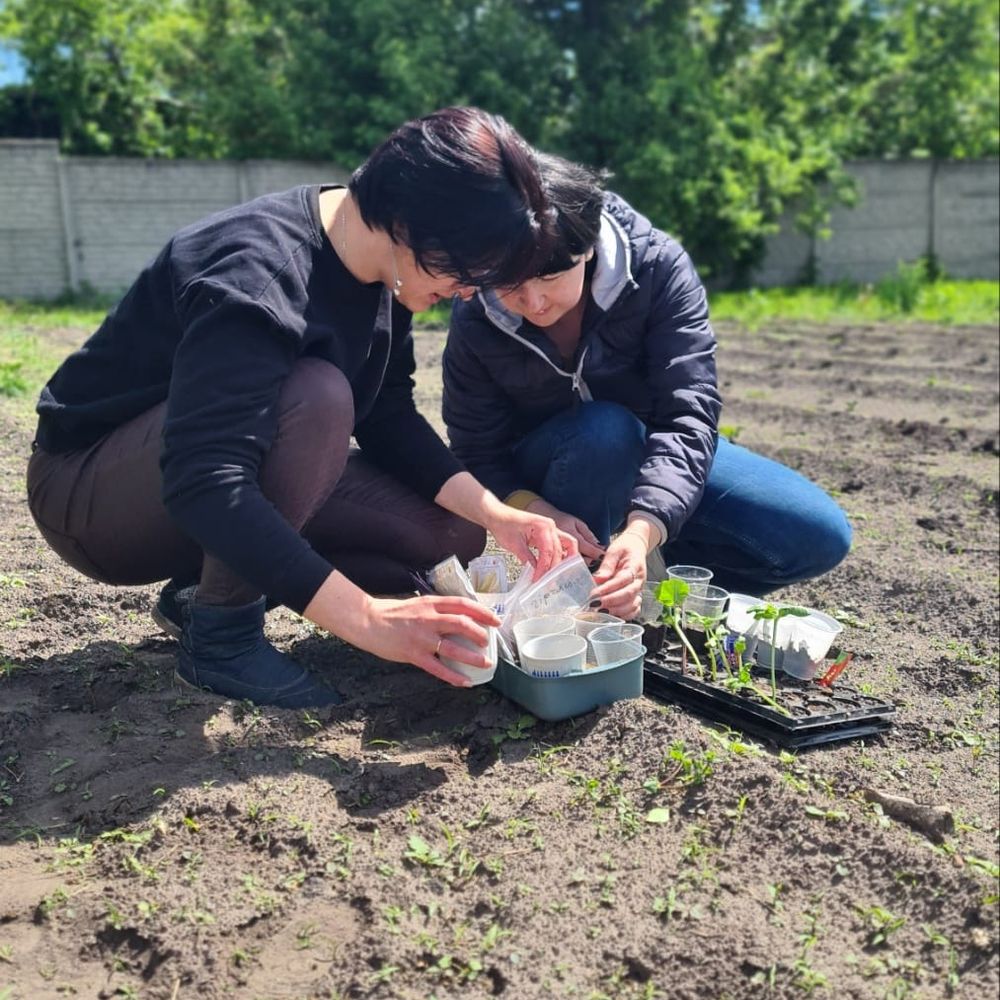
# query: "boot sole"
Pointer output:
{"type": "Point", "coordinates": [166, 626]}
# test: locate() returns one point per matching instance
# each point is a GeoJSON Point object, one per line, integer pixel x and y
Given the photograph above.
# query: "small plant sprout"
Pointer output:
{"type": "Point", "coordinates": [715, 634]}
{"type": "Point", "coordinates": [773, 613]}
{"type": "Point", "coordinates": [742, 681]}
{"type": "Point", "coordinates": [671, 595]}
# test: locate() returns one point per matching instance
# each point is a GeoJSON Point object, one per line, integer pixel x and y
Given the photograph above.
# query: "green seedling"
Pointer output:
{"type": "Point", "coordinates": [672, 594]}
{"type": "Point", "coordinates": [517, 731]}
{"type": "Point", "coordinates": [773, 614]}
{"type": "Point", "coordinates": [715, 633]}
{"type": "Point", "coordinates": [742, 680]}
{"type": "Point", "coordinates": [879, 923]}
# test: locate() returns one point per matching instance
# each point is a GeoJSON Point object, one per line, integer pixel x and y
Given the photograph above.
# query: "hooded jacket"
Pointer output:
{"type": "Point", "coordinates": [646, 343]}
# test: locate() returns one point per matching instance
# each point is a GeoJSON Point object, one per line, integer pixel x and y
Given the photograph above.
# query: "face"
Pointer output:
{"type": "Point", "coordinates": [421, 289]}
{"type": "Point", "coordinates": [545, 300]}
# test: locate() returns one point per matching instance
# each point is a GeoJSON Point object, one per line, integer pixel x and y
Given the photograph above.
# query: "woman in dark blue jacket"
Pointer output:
{"type": "Point", "coordinates": [589, 394]}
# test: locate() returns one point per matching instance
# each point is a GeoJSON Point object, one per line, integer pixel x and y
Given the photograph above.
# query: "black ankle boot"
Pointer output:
{"type": "Point", "coordinates": [223, 650]}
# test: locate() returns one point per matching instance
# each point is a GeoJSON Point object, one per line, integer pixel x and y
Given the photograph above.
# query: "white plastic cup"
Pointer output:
{"type": "Point", "coordinates": [542, 625]}
{"type": "Point", "coordinates": [807, 642]}
{"type": "Point", "coordinates": [478, 675]}
{"type": "Point", "coordinates": [550, 656]}
{"type": "Point", "coordinates": [738, 617]}
{"type": "Point", "coordinates": [616, 643]}
{"type": "Point", "coordinates": [696, 577]}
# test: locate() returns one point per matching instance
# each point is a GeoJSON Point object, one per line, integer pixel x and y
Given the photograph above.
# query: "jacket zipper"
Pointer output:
{"type": "Point", "coordinates": [580, 386]}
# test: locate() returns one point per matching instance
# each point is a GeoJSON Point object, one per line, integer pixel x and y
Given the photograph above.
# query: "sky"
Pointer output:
{"type": "Point", "coordinates": [11, 66]}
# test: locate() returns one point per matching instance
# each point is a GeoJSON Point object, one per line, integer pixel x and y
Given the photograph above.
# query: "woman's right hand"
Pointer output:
{"type": "Point", "coordinates": [413, 630]}
{"type": "Point", "coordinates": [419, 630]}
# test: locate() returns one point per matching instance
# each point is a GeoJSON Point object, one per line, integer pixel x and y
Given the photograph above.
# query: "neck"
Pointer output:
{"type": "Point", "coordinates": [364, 252]}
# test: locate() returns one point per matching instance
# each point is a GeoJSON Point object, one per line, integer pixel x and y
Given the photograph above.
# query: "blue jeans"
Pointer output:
{"type": "Point", "coordinates": [759, 525]}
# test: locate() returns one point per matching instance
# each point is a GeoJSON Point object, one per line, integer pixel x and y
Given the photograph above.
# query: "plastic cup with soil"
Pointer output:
{"type": "Point", "coordinates": [612, 644]}
{"type": "Point", "coordinates": [542, 625]}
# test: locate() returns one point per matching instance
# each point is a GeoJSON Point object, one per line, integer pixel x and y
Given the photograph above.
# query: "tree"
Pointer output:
{"type": "Point", "coordinates": [713, 115]}
{"type": "Point", "coordinates": [107, 68]}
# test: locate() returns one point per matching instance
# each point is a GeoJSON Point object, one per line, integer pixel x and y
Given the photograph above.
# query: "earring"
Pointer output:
{"type": "Point", "coordinates": [397, 283]}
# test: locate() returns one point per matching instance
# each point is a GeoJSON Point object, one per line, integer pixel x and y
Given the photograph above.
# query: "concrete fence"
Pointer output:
{"type": "Point", "coordinates": [906, 209]}
{"type": "Point", "coordinates": [69, 222]}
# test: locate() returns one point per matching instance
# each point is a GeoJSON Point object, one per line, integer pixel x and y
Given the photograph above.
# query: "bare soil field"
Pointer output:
{"type": "Point", "coordinates": [422, 841]}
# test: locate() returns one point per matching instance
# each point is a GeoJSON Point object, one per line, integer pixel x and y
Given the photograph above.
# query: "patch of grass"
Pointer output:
{"type": "Point", "coordinates": [904, 296]}
{"type": "Point", "coordinates": [28, 356]}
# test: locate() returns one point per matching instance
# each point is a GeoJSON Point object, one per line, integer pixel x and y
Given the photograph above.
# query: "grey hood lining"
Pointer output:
{"type": "Point", "coordinates": [612, 273]}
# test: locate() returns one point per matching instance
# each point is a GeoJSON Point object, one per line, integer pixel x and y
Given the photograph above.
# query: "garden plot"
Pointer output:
{"type": "Point", "coordinates": [423, 841]}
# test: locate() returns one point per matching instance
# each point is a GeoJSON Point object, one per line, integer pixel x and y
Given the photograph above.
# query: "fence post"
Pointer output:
{"type": "Point", "coordinates": [932, 215]}
{"type": "Point", "coordinates": [68, 232]}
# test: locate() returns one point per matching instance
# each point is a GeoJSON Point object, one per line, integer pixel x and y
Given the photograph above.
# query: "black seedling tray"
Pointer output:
{"type": "Point", "coordinates": [818, 715]}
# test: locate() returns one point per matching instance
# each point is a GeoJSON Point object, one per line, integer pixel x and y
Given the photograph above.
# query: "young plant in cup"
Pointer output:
{"type": "Point", "coordinates": [671, 595]}
{"type": "Point", "coordinates": [715, 634]}
{"type": "Point", "coordinates": [773, 613]}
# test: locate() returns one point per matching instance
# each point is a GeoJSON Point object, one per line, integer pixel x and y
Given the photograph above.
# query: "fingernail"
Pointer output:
{"type": "Point", "coordinates": [595, 604]}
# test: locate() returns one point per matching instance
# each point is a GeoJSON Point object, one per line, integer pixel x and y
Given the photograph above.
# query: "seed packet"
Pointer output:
{"type": "Point", "coordinates": [489, 574]}
{"type": "Point", "coordinates": [565, 589]}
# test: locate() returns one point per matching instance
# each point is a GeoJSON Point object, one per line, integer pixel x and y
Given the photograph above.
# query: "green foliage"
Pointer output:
{"type": "Point", "coordinates": [901, 290]}
{"type": "Point", "coordinates": [945, 302]}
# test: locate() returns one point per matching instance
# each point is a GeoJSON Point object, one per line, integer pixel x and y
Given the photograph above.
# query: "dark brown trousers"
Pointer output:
{"type": "Point", "coordinates": [100, 508]}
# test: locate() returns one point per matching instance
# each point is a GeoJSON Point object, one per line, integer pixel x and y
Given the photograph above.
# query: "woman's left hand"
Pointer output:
{"type": "Point", "coordinates": [532, 538]}
{"type": "Point", "coordinates": [621, 576]}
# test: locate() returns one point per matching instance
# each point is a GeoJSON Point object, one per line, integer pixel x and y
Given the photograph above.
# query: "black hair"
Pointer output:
{"type": "Point", "coordinates": [576, 194]}
{"type": "Point", "coordinates": [462, 190]}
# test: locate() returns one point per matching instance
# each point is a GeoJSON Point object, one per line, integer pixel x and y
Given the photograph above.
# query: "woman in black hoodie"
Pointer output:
{"type": "Point", "coordinates": [202, 435]}
{"type": "Point", "coordinates": [589, 394]}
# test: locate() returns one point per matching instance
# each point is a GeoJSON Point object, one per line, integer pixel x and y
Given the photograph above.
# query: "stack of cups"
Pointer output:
{"type": "Point", "coordinates": [548, 646]}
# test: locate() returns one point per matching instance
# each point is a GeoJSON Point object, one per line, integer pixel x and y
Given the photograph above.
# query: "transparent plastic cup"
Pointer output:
{"type": "Point", "coordinates": [696, 577]}
{"type": "Point", "coordinates": [616, 643]}
{"type": "Point", "coordinates": [587, 621]}
{"type": "Point", "coordinates": [542, 625]}
{"type": "Point", "coordinates": [710, 603]}
{"type": "Point", "coordinates": [651, 610]}
{"type": "Point", "coordinates": [551, 656]}
{"type": "Point", "coordinates": [807, 642]}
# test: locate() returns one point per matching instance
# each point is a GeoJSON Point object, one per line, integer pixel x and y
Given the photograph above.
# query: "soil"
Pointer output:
{"type": "Point", "coordinates": [422, 841]}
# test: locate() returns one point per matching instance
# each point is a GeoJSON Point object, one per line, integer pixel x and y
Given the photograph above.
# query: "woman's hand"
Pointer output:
{"type": "Point", "coordinates": [414, 630]}
{"type": "Point", "coordinates": [420, 630]}
{"type": "Point", "coordinates": [621, 576]}
{"type": "Point", "coordinates": [586, 540]}
{"type": "Point", "coordinates": [532, 538]}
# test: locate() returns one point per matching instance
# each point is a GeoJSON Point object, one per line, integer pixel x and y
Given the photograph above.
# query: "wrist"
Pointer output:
{"type": "Point", "coordinates": [522, 499]}
{"type": "Point", "coordinates": [647, 527]}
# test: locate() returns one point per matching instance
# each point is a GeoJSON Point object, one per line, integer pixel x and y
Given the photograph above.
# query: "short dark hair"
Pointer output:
{"type": "Point", "coordinates": [576, 195]}
{"type": "Point", "coordinates": [462, 190]}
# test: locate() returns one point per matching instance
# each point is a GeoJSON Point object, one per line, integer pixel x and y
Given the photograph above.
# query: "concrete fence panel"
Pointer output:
{"type": "Point", "coordinates": [32, 234]}
{"type": "Point", "coordinates": [967, 219]}
{"type": "Point", "coordinates": [905, 210]}
{"type": "Point", "coordinates": [67, 223]}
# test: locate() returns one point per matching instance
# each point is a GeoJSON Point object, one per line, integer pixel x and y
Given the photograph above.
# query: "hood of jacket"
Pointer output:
{"type": "Point", "coordinates": [613, 269]}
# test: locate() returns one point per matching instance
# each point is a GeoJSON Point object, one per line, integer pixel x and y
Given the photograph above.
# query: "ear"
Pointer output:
{"type": "Point", "coordinates": [590, 256]}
